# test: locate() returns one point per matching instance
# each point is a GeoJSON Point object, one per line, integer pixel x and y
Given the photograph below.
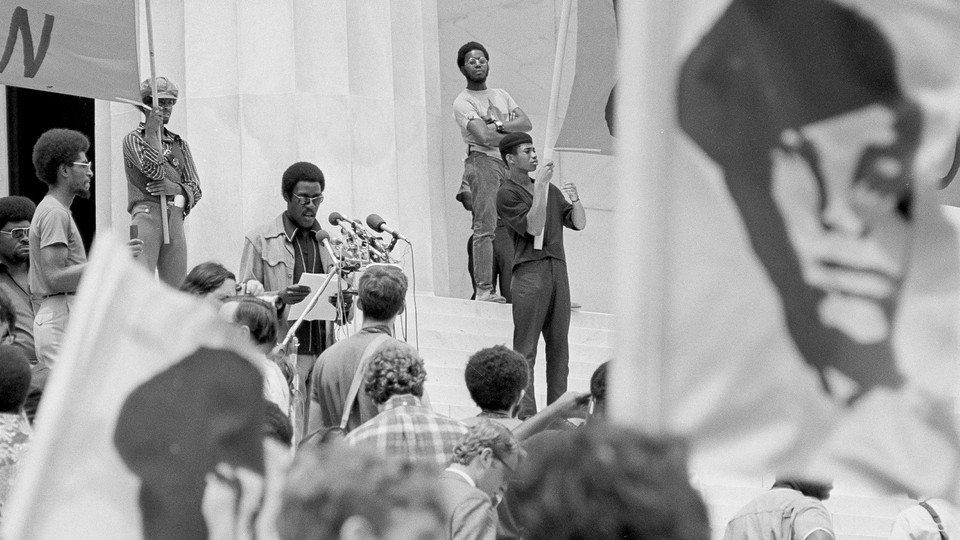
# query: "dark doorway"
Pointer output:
{"type": "Point", "coordinates": [29, 114]}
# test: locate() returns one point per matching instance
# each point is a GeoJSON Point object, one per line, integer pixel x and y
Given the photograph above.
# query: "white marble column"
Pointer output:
{"type": "Point", "coordinates": [350, 86]}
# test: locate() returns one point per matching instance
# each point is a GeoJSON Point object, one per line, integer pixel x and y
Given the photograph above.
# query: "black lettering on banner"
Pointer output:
{"type": "Point", "coordinates": [32, 60]}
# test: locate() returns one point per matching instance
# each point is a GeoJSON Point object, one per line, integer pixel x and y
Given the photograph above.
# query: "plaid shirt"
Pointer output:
{"type": "Point", "coordinates": [405, 428]}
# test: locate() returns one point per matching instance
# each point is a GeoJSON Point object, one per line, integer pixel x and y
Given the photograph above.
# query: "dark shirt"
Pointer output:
{"type": "Point", "coordinates": [23, 307]}
{"type": "Point", "coordinates": [513, 204]}
{"type": "Point", "coordinates": [306, 258]}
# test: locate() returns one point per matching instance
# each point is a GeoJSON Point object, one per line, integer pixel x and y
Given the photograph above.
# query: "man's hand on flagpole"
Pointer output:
{"type": "Point", "coordinates": [544, 175]}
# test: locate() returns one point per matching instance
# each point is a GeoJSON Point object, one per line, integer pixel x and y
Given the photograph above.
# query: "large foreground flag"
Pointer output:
{"type": "Point", "coordinates": [150, 394]}
{"type": "Point", "coordinates": [588, 124]}
{"type": "Point", "coordinates": [802, 310]}
{"type": "Point", "coordinates": [86, 48]}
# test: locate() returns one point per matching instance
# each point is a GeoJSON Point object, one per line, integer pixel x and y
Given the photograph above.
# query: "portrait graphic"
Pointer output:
{"type": "Point", "coordinates": [800, 106]}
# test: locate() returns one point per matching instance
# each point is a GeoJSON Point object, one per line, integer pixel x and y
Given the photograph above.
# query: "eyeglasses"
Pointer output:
{"type": "Point", "coordinates": [166, 103]}
{"type": "Point", "coordinates": [315, 200]}
{"type": "Point", "coordinates": [477, 61]}
{"type": "Point", "coordinates": [87, 164]}
{"type": "Point", "coordinates": [19, 233]}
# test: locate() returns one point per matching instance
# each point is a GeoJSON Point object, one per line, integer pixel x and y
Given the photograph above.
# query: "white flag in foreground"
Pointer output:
{"type": "Point", "coordinates": [151, 393]}
{"type": "Point", "coordinates": [86, 48]}
{"type": "Point", "coordinates": [808, 286]}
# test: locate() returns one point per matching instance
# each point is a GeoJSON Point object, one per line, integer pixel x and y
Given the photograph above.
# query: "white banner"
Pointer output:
{"type": "Point", "coordinates": [152, 391]}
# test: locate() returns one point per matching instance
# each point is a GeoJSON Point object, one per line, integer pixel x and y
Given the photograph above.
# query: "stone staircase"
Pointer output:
{"type": "Point", "coordinates": [448, 330]}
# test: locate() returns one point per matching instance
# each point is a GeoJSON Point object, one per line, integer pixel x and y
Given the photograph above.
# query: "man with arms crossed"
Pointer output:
{"type": "Point", "coordinates": [484, 115]}
{"type": "Point", "coordinates": [540, 288]}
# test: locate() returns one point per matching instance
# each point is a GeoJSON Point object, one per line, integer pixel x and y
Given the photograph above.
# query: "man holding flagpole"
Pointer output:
{"type": "Point", "coordinates": [484, 115]}
{"type": "Point", "coordinates": [540, 288]}
{"type": "Point", "coordinates": [160, 164]}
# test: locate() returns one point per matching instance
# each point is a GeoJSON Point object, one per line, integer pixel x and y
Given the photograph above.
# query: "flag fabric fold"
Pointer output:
{"type": "Point", "coordinates": [151, 393]}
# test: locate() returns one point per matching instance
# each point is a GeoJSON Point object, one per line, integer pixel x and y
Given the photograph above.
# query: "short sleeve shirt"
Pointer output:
{"type": "Point", "coordinates": [472, 104]}
{"type": "Point", "coordinates": [780, 513]}
{"type": "Point", "coordinates": [513, 205]}
{"type": "Point", "coordinates": [52, 224]}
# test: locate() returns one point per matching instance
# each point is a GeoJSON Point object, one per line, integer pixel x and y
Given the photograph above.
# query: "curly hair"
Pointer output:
{"type": "Point", "coordinates": [495, 376]}
{"type": "Point", "coordinates": [486, 434]}
{"type": "Point", "coordinates": [327, 485]}
{"type": "Point", "coordinates": [14, 378]}
{"type": "Point", "coordinates": [54, 148]}
{"type": "Point", "coordinates": [382, 290]}
{"type": "Point", "coordinates": [609, 482]}
{"type": "Point", "coordinates": [466, 48]}
{"type": "Point", "coordinates": [15, 208]}
{"type": "Point", "coordinates": [205, 278]}
{"type": "Point", "coordinates": [396, 368]}
{"type": "Point", "coordinates": [301, 171]}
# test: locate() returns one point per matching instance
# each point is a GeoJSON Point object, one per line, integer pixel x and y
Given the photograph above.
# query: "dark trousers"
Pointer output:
{"type": "Point", "coordinates": [502, 261]}
{"type": "Point", "coordinates": [541, 304]}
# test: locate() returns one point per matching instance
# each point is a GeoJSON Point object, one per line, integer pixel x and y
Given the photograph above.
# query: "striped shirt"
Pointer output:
{"type": "Point", "coordinates": [406, 429]}
{"type": "Point", "coordinates": [150, 161]}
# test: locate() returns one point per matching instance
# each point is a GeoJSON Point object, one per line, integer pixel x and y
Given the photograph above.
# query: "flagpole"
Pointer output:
{"type": "Point", "coordinates": [550, 137]}
{"type": "Point", "coordinates": [164, 219]}
{"type": "Point", "coordinates": [644, 195]}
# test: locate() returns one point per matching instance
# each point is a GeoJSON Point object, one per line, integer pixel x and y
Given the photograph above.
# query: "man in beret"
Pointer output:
{"type": "Point", "coordinates": [485, 116]}
{"type": "Point", "coordinates": [160, 164]}
{"type": "Point", "coordinates": [540, 288]}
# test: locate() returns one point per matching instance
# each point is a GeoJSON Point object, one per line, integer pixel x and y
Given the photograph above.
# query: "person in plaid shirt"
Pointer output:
{"type": "Point", "coordinates": [405, 428]}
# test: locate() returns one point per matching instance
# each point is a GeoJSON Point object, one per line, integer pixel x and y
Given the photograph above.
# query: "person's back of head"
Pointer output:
{"type": "Point", "coordinates": [810, 488]}
{"type": "Point", "coordinates": [382, 290]}
{"type": "Point", "coordinates": [336, 491]}
{"type": "Point", "coordinates": [610, 482]}
{"type": "Point", "coordinates": [496, 378]}
{"type": "Point", "coordinates": [395, 369]}
{"type": "Point", "coordinates": [258, 316]}
{"type": "Point", "coordinates": [205, 278]}
{"type": "Point", "coordinates": [14, 379]}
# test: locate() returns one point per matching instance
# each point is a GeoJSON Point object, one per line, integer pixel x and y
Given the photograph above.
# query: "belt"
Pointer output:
{"type": "Point", "coordinates": [71, 293]}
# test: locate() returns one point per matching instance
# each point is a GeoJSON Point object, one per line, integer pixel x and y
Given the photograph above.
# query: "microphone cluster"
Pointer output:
{"type": "Point", "coordinates": [362, 244]}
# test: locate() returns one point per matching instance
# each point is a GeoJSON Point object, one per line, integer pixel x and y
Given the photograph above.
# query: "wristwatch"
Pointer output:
{"type": "Point", "coordinates": [499, 125]}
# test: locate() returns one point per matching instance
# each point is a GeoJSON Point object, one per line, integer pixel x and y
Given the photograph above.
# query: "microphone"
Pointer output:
{"type": "Point", "coordinates": [336, 217]}
{"type": "Point", "coordinates": [323, 237]}
{"type": "Point", "coordinates": [378, 224]}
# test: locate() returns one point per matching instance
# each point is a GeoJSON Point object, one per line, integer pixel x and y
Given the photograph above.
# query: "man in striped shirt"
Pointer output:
{"type": "Point", "coordinates": [160, 164]}
{"type": "Point", "coordinates": [405, 428]}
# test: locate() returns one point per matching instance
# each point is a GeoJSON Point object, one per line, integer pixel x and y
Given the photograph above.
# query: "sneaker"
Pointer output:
{"type": "Point", "coordinates": [490, 296]}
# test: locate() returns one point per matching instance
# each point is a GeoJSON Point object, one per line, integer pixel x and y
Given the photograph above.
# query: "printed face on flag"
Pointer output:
{"type": "Point", "coordinates": [817, 150]}
{"type": "Point", "coordinates": [841, 186]}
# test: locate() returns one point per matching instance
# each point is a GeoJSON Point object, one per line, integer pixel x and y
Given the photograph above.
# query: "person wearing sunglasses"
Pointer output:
{"type": "Point", "coordinates": [277, 254]}
{"type": "Point", "coordinates": [57, 254]}
{"type": "Point", "coordinates": [483, 463]}
{"type": "Point", "coordinates": [160, 164]}
{"type": "Point", "coordinates": [15, 215]}
{"type": "Point", "coordinates": [485, 115]}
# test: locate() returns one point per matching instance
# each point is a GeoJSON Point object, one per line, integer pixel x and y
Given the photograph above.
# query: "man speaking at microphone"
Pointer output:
{"type": "Point", "coordinates": [277, 253]}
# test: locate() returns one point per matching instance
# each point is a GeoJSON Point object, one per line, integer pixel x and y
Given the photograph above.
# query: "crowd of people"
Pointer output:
{"type": "Point", "coordinates": [352, 446]}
